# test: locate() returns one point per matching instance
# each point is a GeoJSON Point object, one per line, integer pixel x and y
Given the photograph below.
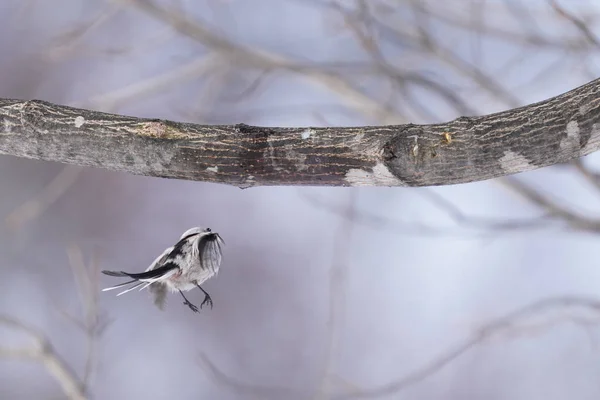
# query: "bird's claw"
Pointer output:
{"type": "Point", "coordinates": [207, 300]}
{"type": "Point", "coordinates": [191, 306]}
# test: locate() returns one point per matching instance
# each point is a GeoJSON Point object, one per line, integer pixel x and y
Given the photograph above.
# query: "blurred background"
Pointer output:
{"type": "Point", "coordinates": [484, 290]}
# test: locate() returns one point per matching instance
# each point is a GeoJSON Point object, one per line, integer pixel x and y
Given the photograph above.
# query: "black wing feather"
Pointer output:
{"type": "Point", "coordinates": [114, 273]}
{"type": "Point", "coordinates": [154, 273]}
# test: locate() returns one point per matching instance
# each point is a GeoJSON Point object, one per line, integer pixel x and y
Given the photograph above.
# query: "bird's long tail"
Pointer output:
{"type": "Point", "coordinates": [141, 278]}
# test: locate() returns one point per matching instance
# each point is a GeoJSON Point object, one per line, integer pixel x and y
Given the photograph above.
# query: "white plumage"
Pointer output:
{"type": "Point", "coordinates": [195, 258]}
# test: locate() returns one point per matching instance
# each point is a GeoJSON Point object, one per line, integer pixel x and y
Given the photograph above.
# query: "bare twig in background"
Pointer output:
{"type": "Point", "coordinates": [32, 208]}
{"type": "Point", "coordinates": [401, 34]}
{"type": "Point", "coordinates": [264, 60]}
{"type": "Point", "coordinates": [93, 322]}
{"type": "Point", "coordinates": [402, 80]}
{"type": "Point", "coordinates": [578, 23]}
{"type": "Point", "coordinates": [574, 220]}
{"type": "Point", "coordinates": [43, 352]}
{"type": "Point", "coordinates": [259, 391]}
{"type": "Point", "coordinates": [71, 41]}
{"type": "Point", "coordinates": [513, 325]}
{"type": "Point", "coordinates": [478, 227]}
{"type": "Point", "coordinates": [157, 84]}
{"type": "Point", "coordinates": [580, 311]}
{"type": "Point", "coordinates": [337, 296]}
{"type": "Point", "coordinates": [592, 177]}
{"type": "Point", "coordinates": [450, 14]}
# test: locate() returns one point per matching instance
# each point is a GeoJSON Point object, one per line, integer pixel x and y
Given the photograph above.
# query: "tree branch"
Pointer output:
{"type": "Point", "coordinates": [466, 149]}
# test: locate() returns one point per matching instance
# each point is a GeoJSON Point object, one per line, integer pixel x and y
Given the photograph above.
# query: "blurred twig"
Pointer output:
{"type": "Point", "coordinates": [556, 210]}
{"type": "Point", "coordinates": [593, 178]}
{"type": "Point", "coordinates": [517, 324]}
{"type": "Point", "coordinates": [480, 226]}
{"type": "Point", "coordinates": [43, 352]}
{"type": "Point", "coordinates": [157, 84]}
{"type": "Point", "coordinates": [511, 326]}
{"type": "Point", "coordinates": [92, 323]}
{"type": "Point", "coordinates": [34, 207]}
{"type": "Point", "coordinates": [337, 295]}
{"type": "Point", "coordinates": [359, 25]}
{"type": "Point", "coordinates": [578, 23]}
{"type": "Point", "coordinates": [420, 37]}
{"type": "Point", "coordinates": [262, 59]}
{"type": "Point", "coordinates": [71, 40]}
{"type": "Point", "coordinates": [259, 391]}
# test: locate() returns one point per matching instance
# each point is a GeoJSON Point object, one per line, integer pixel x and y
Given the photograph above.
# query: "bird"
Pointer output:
{"type": "Point", "coordinates": [195, 258]}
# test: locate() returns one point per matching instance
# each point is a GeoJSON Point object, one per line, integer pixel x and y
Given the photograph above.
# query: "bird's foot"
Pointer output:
{"type": "Point", "coordinates": [191, 306]}
{"type": "Point", "coordinates": [207, 300]}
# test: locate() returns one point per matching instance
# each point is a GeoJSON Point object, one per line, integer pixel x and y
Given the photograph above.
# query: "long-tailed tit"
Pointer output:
{"type": "Point", "coordinates": [195, 258]}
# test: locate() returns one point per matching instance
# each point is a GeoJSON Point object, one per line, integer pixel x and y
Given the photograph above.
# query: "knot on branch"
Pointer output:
{"type": "Point", "coordinates": [411, 153]}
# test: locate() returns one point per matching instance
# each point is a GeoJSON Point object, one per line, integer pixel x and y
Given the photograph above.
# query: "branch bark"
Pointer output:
{"type": "Point", "coordinates": [466, 149]}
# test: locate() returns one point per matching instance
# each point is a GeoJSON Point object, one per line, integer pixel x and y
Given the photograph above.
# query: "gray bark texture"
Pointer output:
{"type": "Point", "coordinates": [466, 149]}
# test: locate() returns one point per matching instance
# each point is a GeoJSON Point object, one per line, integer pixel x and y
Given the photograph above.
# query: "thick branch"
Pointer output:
{"type": "Point", "coordinates": [464, 150]}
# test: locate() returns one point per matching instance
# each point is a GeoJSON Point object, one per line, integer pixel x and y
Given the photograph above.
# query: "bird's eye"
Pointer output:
{"type": "Point", "coordinates": [208, 230]}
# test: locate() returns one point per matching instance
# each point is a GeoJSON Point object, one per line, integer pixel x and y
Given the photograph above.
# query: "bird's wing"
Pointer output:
{"type": "Point", "coordinates": [157, 274]}
{"type": "Point", "coordinates": [160, 260]}
{"type": "Point", "coordinates": [210, 252]}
